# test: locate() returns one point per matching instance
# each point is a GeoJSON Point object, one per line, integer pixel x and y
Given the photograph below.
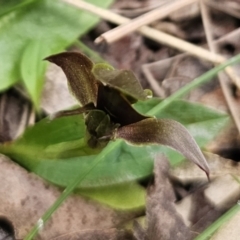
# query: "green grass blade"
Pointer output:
{"type": "Point", "coordinates": [69, 189]}
{"type": "Point", "coordinates": [206, 234]}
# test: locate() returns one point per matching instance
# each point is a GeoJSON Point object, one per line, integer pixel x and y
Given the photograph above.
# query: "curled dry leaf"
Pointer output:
{"type": "Point", "coordinates": [30, 197]}
{"type": "Point", "coordinates": [162, 218]}
{"type": "Point", "coordinates": [187, 172]}
{"type": "Point", "coordinates": [112, 92]}
{"type": "Point", "coordinates": [207, 203]}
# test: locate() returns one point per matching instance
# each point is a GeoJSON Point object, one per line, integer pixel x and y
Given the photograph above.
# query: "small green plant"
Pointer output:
{"type": "Point", "coordinates": [75, 150]}
{"type": "Point", "coordinates": [106, 96]}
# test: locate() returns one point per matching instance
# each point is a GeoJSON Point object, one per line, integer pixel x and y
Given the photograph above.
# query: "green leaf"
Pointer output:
{"type": "Point", "coordinates": [11, 5]}
{"type": "Point", "coordinates": [121, 162]}
{"type": "Point", "coordinates": [164, 132]}
{"type": "Point", "coordinates": [33, 69]}
{"type": "Point", "coordinates": [180, 110]}
{"type": "Point", "coordinates": [47, 132]}
{"type": "Point", "coordinates": [61, 138]}
{"type": "Point", "coordinates": [122, 196]}
{"type": "Point", "coordinates": [54, 23]}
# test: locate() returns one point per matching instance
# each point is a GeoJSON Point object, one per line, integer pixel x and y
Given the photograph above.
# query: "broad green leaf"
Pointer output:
{"type": "Point", "coordinates": [61, 138]}
{"type": "Point", "coordinates": [164, 132]}
{"type": "Point", "coordinates": [54, 23]}
{"type": "Point", "coordinates": [121, 163]}
{"type": "Point", "coordinates": [12, 5]}
{"type": "Point", "coordinates": [33, 69]}
{"type": "Point", "coordinates": [122, 80]}
{"type": "Point", "coordinates": [47, 132]}
{"type": "Point", "coordinates": [182, 111]}
{"type": "Point", "coordinates": [122, 196]}
{"type": "Point", "coordinates": [77, 67]}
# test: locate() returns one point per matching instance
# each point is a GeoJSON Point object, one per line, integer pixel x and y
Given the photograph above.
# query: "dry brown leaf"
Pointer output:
{"type": "Point", "coordinates": [227, 6]}
{"type": "Point", "coordinates": [226, 144]}
{"type": "Point", "coordinates": [215, 99]}
{"type": "Point", "coordinates": [55, 95]}
{"type": "Point", "coordinates": [228, 45]}
{"type": "Point", "coordinates": [24, 198]}
{"type": "Point", "coordinates": [162, 218]}
{"type": "Point", "coordinates": [207, 203]}
{"type": "Point", "coordinates": [187, 172]}
{"type": "Point", "coordinates": [173, 73]}
{"type": "Point", "coordinates": [109, 234]}
{"type": "Point", "coordinates": [14, 112]}
{"type": "Point", "coordinates": [133, 9]}
{"type": "Point", "coordinates": [135, 4]}
{"type": "Point", "coordinates": [230, 230]}
{"type": "Point", "coordinates": [186, 13]}
{"type": "Point", "coordinates": [170, 28]}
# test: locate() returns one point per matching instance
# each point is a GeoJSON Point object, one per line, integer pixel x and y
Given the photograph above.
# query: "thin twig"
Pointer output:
{"type": "Point", "coordinates": [233, 107]}
{"type": "Point", "coordinates": [212, 46]}
{"type": "Point", "coordinates": [3, 104]}
{"type": "Point", "coordinates": [149, 17]}
{"type": "Point", "coordinates": [151, 33]}
{"type": "Point", "coordinates": [137, 11]}
{"type": "Point", "coordinates": [154, 84]}
{"type": "Point", "coordinates": [223, 7]}
{"type": "Point", "coordinates": [32, 117]}
{"type": "Point", "coordinates": [23, 121]}
{"type": "Point", "coordinates": [158, 36]}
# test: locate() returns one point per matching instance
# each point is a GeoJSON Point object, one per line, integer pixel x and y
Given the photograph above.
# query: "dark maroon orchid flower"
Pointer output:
{"type": "Point", "coordinates": [106, 96]}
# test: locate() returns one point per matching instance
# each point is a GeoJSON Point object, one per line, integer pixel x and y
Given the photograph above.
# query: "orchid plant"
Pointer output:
{"type": "Point", "coordinates": [106, 96]}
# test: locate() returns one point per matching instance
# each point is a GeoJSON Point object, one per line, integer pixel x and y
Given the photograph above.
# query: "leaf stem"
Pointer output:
{"type": "Point", "coordinates": [195, 83]}
{"type": "Point", "coordinates": [69, 189]}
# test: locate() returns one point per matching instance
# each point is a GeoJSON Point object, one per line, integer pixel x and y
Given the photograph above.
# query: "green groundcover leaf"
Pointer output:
{"type": "Point", "coordinates": [57, 151]}
{"type": "Point", "coordinates": [122, 196]}
{"type": "Point", "coordinates": [54, 23]}
{"type": "Point", "coordinates": [33, 69]}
